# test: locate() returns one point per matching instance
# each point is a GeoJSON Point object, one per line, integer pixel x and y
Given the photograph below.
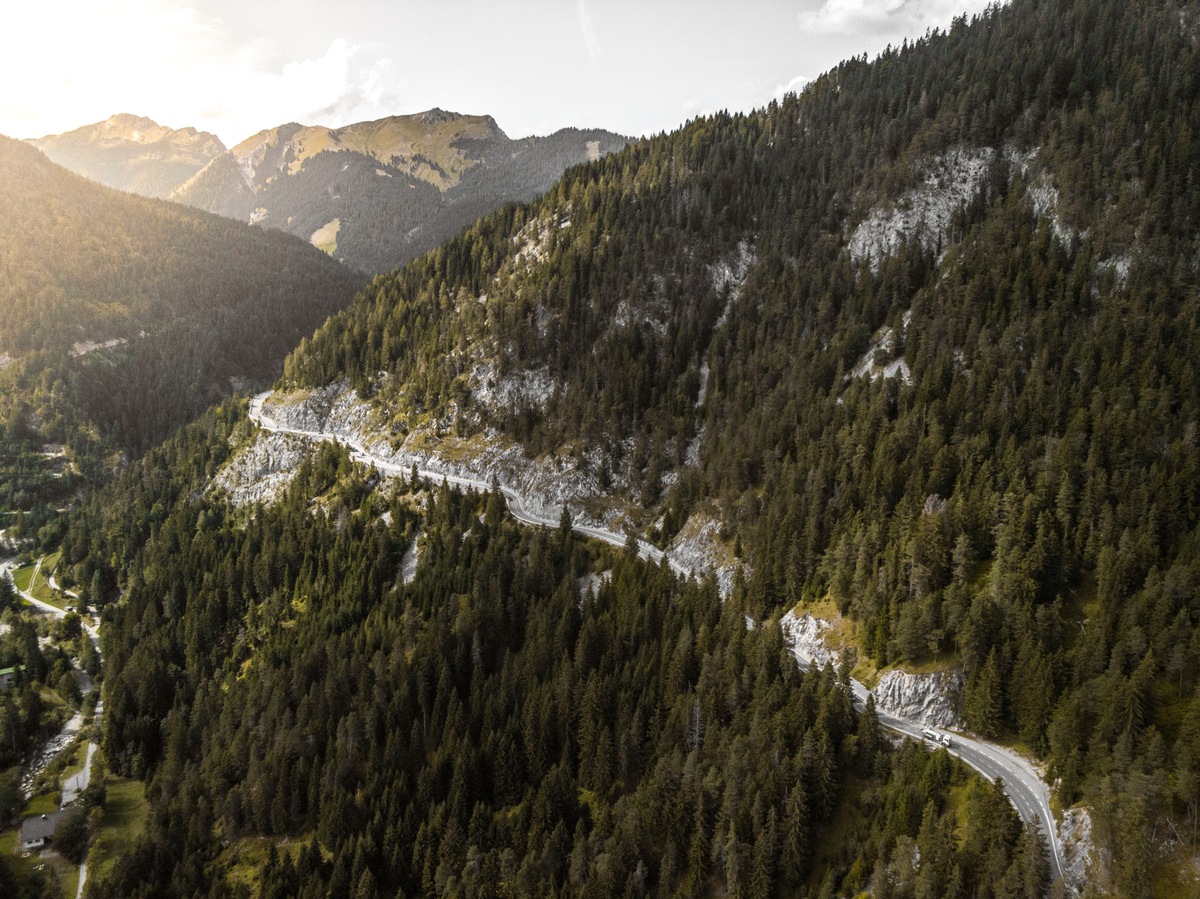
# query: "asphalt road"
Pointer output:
{"type": "Point", "coordinates": [1022, 784]}
{"type": "Point", "coordinates": [1024, 788]}
{"type": "Point", "coordinates": [516, 503]}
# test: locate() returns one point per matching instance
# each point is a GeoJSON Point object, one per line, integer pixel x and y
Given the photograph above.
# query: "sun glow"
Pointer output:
{"type": "Point", "coordinates": [174, 64]}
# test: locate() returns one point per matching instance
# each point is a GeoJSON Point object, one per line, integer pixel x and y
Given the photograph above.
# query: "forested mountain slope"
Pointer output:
{"type": "Point", "coordinates": [956, 390]}
{"type": "Point", "coordinates": [121, 318]}
{"type": "Point", "coordinates": [920, 341]}
{"type": "Point", "coordinates": [520, 713]}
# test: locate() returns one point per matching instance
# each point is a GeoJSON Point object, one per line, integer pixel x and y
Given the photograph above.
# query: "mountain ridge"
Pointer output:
{"type": "Point", "coordinates": [132, 153]}
{"type": "Point", "coordinates": [397, 185]}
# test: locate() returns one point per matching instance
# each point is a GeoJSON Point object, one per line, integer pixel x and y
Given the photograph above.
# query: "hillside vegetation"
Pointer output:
{"type": "Point", "coordinates": [121, 318]}
{"type": "Point", "coordinates": [957, 391]}
{"type": "Point", "coordinates": [922, 338]}
{"type": "Point", "coordinates": [529, 715]}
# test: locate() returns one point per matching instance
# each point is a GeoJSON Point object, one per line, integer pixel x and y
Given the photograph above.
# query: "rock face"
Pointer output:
{"type": "Point", "coordinates": [808, 642]}
{"type": "Point", "coordinates": [924, 212]}
{"type": "Point", "coordinates": [698, 547]}
{"type": "Point", "coordinates": [1075, 834]}
{"type": "Point", "coordinates": [931, 699]}
{"type": "Point", "coordinates": [547, 484]}
{"type": "Point", "coordinates": [408, 565]}
{"type": "Point", "coordinates": [262, 470]}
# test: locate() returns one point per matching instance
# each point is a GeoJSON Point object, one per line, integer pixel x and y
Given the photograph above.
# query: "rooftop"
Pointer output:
{"type": "Point", "coordinates": [40, 827]}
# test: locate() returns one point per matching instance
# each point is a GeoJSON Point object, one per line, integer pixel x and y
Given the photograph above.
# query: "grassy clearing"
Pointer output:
{"type": "Point", "coordinates": [21, 577]}
{"type": "Point", "coordinates": [49, 563]}
{"type": "Point", "coordinates": [325, 237]}
{"type": "Point", "coordinates": [42, 804]}
{"type": "Point", "coordinates": [125, 814]}
{"type": "Point", "coordinates": [843, 635]}
{"type": "Point", "coordinates": [38, 586]}
{"type": "Point", "coordinates": [247, 856]}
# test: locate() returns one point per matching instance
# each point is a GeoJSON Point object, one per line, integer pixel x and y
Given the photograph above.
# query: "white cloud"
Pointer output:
{"type": "Point", "coordinates": [882, 17]}
{"type": "Point", "coordinates": [589, 31]}
{"type": "Point", "coordinates": [795, 85]}
{"type": "Point", "coordinates": [178, 66]}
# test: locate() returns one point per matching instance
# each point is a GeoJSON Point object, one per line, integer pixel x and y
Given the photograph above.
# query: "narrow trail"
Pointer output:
{"type": "Point", "coordinates": [1024, 787]}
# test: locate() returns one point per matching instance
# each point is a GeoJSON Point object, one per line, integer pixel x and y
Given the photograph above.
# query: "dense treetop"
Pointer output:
{"type": "Point", "coordinates": [1026, 500]}
{"type": "Point", "coordinates": [528, 715]}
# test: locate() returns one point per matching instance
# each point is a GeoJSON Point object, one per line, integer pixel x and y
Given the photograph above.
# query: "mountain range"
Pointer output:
{"type": "Point", "coordinates": [371, 194]}
{"type": "Point", "coordinates": [906, 360]}
{"type": "Point", "coordinates": [133, 153]}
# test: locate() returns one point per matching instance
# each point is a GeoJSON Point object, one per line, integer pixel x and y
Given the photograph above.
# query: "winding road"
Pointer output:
{"type": "Point", "coordinates": [1022, 784]}
{"type": "Point", "coordinates": [516, 503]}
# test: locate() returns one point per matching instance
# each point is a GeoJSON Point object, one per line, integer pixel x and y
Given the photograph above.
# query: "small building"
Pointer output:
{"type": "Point", "coordinates": [8, 676]}
{"type": "Point", "coordinates": [37, 831]}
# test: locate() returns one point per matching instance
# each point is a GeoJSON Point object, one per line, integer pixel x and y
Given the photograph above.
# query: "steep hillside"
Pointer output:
{"type": "Point", "coordinates": [919, 342]}
{"type": "Point", "coordinates": [396, 187]}
{"type": "Point", "coordinates": [914, 349]}
{"type": "Point", "coordinates": [133, 153]}
{"type": "Point", "coordinates": [517, 712]}
{"type": "Point", "coordinates": [121, 318]}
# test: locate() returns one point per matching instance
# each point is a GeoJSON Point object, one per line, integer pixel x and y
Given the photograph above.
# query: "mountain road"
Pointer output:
{"type": "Point", "coordinates": [1021, 782]}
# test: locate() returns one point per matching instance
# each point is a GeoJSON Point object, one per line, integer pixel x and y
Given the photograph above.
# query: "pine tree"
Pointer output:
{"type": "Point", "coordinates": [984, 704]}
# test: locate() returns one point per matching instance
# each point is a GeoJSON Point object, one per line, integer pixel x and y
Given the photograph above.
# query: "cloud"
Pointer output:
{"type": "Point", "coordinates": [180, 67]}
{"type": "Point", "coordinates": [795, 85]}
{"type": "Point", "coordinates": [589, 31]}
{"type": "Point", "coordinates": [883, 17]}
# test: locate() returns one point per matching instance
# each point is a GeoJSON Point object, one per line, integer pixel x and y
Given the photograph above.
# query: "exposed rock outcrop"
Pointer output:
{"type": "Point", "coordinates": [408, 565]}
{"type": "Point", "coordinates": [262, 470]}
{"type": "Point", "coordinates": [697, 547]}
{"type": "Point", "coordinates": [808, 643]}
{"type": "Point", "coordinates": [546, 483]}
{"type": "Point", "coordinates": [930, 699]}
{"type": "Point", "coordinates": [924, 213]}
{"type": "Point", "coordinates": [538, 489]}
{"type": "Point", "coordinates": [1075, 834]}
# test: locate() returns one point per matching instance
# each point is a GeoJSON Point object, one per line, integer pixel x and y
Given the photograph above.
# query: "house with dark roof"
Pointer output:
{"type": "Point", "coordinates": [38, 830]}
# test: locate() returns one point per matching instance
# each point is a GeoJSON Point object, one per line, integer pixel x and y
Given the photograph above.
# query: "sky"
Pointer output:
{"type": "Point", "coordinates": [234, 67]}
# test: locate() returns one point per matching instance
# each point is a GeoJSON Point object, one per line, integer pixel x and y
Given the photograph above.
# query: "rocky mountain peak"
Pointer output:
{"type": "Point", "coordinates": [437, 116]}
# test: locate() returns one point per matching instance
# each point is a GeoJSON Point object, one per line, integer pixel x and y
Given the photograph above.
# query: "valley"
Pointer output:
{"type": "Point", "coordinates": [803, 501]}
